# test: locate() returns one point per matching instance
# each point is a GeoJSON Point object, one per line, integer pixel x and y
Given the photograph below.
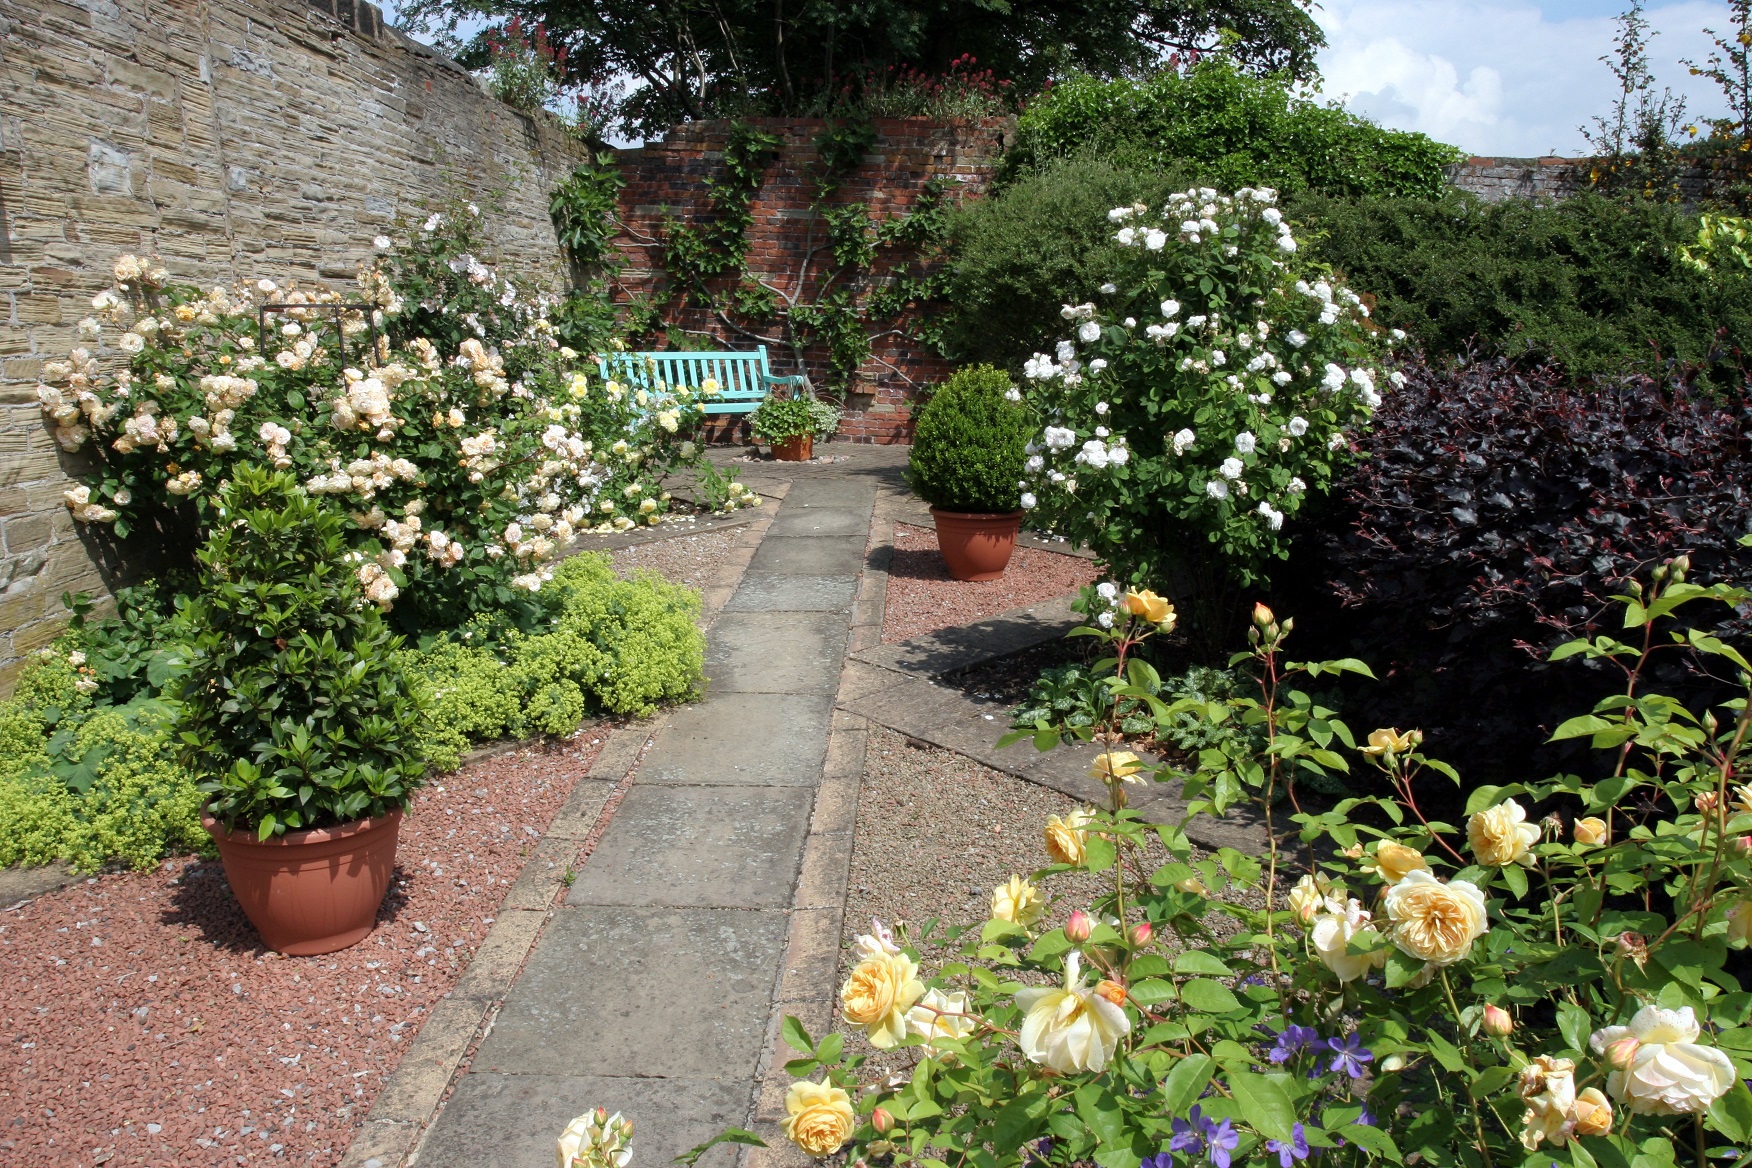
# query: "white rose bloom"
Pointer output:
{"type": "Point", "coordinates": [1245, 442]}
{"type": "Point", "coordinates": [1183, 441]}
{"type": "Point", "coordinates": [1059, 438]}
{"type": "Point", "coordinates": [1101, 407]}
{"type": "Point", "coordinates": [1298, 426]}
{"type": "Point", "coordinates": [1296, 486]}
{"type": "Point", "coordinates": [1667, 1072]}
{"type": "Point", "coordinates": [1105, 620]}
{"type": "Point", "coordinates": [1125, 236]}
{"type": "Point", "coordinates": [1088, 332]}
{"type": "Point", "coordinates": [1217, 489]}
{"type": "Point", "coordinates": [1396, 379]}
{"type": "Point", "coordinates": [1334, 378]}
{"type": "Point", "coordinates": [940, 1015]}
{"type": "Point", "coordinates": [1286, 244]}
{"type": "Point", "coordinates": [1281, 378]}
{"type": "Point", "coordinates": [1332, 935]}
{"type": "Point", "coordinates": [1232, 468]}
{"type": "Point", "coordinates": [1155, 240]}
{"type": "Point", "coordinates": [1029, 501]}
{"type": "Point", "coordinates": [1094, 453]}
{"type": "Point", "coordinates": [1272, 216]}
{"type": "Point", "coordinates": [1170, 308]}
{"type": "Point", "coordinates": [131, 343]}
{"type": "Point", "coordinates": [1118, 455]}
{"type": "Point", "coordinates": [1273, 516]}
{"type": "Point", "coordinates": [1109, 289]}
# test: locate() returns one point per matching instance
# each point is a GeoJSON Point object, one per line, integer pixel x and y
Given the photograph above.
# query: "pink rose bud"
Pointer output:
{"type": "Point", "coordinates": [1078, 928]}
{"type": "Point", "coordinates": [1497, 1022]}
{"type": "Point", "coordinates": [1743, 845]}
{"type": "Point", "coordinates": [882, 1121]}
{"type": "Point", "coordinates": [1141, 934]}
{"type": "Point", "coordinates": [1622, 1053]}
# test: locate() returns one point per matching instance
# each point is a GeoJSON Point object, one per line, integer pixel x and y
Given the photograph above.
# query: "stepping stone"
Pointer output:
{"type": "Point", "coordinates": [776, 652]}
{"type": "Point", "coordinates": [806, 520]}
{"type": "Point", "coordinates": [809, 556]}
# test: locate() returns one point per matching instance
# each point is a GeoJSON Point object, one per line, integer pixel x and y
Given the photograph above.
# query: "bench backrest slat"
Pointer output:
{"type": "Point", "coordinates": [742, 377]}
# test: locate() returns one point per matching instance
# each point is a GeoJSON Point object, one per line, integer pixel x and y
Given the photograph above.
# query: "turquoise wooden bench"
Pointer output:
{"type": "Point", "coordinates": [743, 378]}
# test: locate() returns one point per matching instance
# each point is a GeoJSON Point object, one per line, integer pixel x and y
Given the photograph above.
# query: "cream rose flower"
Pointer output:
{"type": "Point", "coordinates": [818, 1117]}
{"type": "Point", "coordinates": [1548, 1088]}
{"type": "Point", "coordinates": [1501, 835]}
{"type": "Point", "coordinates": [1394, 862]}
{"type": "Point", "coordinates": [1067, 837]}
{"type": "Point", "coordinates": [1592, 832]}
{"type": "Point", "coordinates": [940, 1015]}
{"type": "Point", "coordinates": [1389, 741]}
{"type": "Point", "coordinates": [1740, 924]}
{"type": "Point", "coordinates": [1435, 922]}
{"type": "Point", "coordinates": [1664, 1071]}
{"type": "Point", "coordinates": [1592, 1114]}
{"type": "Point", "coordinates": [1312, 893]}
{"type": "Point", "coordinates": [881, 989]}
{"type": "Point", "coordinates": [1334, 933]}
{"type": "Point", "coordinates": [1072, 1028]}
{"type": "Point", "coordinates": [1018, 902]}
{"type": "Point", "coordinates": [595, 1139]}
{"type": "Point", "coordinates": [1150, 607]}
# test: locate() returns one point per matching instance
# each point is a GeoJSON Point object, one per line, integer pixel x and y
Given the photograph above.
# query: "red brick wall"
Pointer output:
{"type": "Point", "coordinates": [667, 179]}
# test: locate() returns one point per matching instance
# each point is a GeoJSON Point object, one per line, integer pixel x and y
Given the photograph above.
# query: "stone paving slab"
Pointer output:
{"type": "Point", "coordinates": [670, 992]}
{"type": "Point", "coordinates": [761, 592]}
{"type": "Point", "coordinates": [705, 846]}
{"type": "Point", "coordinates": [818, 521]}
{"type": "Point", "coordinates": [776, 652]}
{"type": "Point", "coordinates": [774, 740]}
{"type": "Point", "coordinates": [669, 1116]}
{"type": "Point", "coordinates": [809, 557]}
{"type": "Point", "coordinates": [947, 650]}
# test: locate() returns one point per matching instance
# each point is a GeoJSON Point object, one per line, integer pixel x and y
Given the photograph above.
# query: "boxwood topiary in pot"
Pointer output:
{"type": "Point", "coordinates": [298, 723]}
{"type": "Point", "coordinates": [969, 446]}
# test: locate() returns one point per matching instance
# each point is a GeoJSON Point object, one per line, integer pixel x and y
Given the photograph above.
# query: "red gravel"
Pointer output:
{"type": "Point", "coordinates": [922, 598]}
{"type": "Point", "coordinates": [142, 1022]}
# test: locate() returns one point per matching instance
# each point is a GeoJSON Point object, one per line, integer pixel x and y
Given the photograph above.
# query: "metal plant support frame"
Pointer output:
{"type": "Point", "coordinates": [334, 312]}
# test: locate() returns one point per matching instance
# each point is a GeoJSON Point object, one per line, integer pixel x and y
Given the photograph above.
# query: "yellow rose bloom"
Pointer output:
{"type": "Point", "coordinates": [1435, 922]}
{"type": "Point", "coordinates": [1310, 895]}
{"type": "Point", "coordinates": [877, 995]}
{"type": "Point", "coordinates": [1393, 862]}
{"type": "Point", "coordinates": [1592, 832]}
{"type": "Point", "coordinates": [1150, 607]}
{"type": "Point", "coordinates": [818, 1117]}
{"type": "Point", "coordinates": [1592, 1113]}
{"type": "Point", "coordinates": [1390, 741]}
{"type": "Point", "coordinates": [1548, 1088]}
{"type": "Point", "coordinates": [1501, 835]}
{"type": "Point", "coordinates": [1018, 902]}
{"type": "Point", "coordinates": [1116, 765]}
{"type": "Point", "coordinates": [1067, 838]}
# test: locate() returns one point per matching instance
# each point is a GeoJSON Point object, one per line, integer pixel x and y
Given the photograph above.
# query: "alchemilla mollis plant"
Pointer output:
{"type": "Point", "coordinates": [1546, 982]}
{"type": "Point", "coordinates": [1203, 395]}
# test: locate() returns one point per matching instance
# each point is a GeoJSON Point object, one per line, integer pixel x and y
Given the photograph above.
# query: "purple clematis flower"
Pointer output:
{"type": "Point", "coordinates": [1292, 1042]}
{"type": "Point", "coordinates": [1349, 1056]}
{"type": "Point", "coordinates": [1288, 1152]}
{"type": "Point", "coordinates": [1188, 1134]}
{"type": "Point", "coordinates": [1223, 1139]}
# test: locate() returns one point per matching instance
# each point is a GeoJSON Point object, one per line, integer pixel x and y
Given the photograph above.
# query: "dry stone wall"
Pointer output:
{"type": "Point", "coordinates": [235, 139]}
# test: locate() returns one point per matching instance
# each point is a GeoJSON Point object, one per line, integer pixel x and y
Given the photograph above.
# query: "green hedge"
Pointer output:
{"type": "Point", "coordinates": [1592, 283]}
{"type": "Point", "coordinates": [1233, 130]}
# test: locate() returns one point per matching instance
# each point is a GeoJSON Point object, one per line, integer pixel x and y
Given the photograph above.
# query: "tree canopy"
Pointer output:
{"type": "Point", "coordinates": [700, 58]}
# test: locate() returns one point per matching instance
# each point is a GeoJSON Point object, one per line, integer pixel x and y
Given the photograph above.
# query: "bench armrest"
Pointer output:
{"type": "Point", "coordinates": [792, 379]}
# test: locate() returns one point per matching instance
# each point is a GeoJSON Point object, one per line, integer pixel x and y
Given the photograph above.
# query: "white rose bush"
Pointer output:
{"type": "Point", "coordinates": [1550, 982]}
{"type": "Point", "coordinates": [1202, 395]}
{"type": "Point", "coordinates": [464, 442]}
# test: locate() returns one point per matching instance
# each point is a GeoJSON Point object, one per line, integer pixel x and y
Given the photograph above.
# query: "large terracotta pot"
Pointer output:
{"type": "Point", "coordinates": [976, 545]}
{"type": "Point", "coordinates": [797, 448]}
{"type": "Point", "coordinates": [311, 892]}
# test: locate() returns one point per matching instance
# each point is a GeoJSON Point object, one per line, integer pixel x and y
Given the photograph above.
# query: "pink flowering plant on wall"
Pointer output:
{"type": "Point", "coordinates": [1204, 393]}
{"type": "Point", "coordinates": [1553, 979]}
{"type": "Point", "coordinates": [466, 446]}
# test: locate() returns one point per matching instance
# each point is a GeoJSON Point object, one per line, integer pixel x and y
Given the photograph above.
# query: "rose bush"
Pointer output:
{"type": "Point", "coordinates": [1551, 976]}
{"type": "Point", "coordinates": [1204, 394]}
{"type": "Point", "coordinates": [434, 407]}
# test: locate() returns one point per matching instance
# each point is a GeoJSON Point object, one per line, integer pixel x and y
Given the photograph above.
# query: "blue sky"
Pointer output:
{"type": "Point", "coordinates": [1511, 77]}
{"type": "Point", "coordinates": [1507, 77]}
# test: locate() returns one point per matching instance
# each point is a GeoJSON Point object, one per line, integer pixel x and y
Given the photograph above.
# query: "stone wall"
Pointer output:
{"type": "Point", "coordinates": [1496, 180]}
{"type": "Point", "coordinates": [667, 179]}
{"type": "Point", "coordinates": [234, 138]}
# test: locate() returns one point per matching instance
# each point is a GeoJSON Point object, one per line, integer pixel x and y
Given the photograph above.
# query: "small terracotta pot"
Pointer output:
{"type": "Point", "coordinates": [797, 448]}
{"type": "Point", "coordinates": [311, 892]}
{"type": "Point", "coordinates": [976, 545]}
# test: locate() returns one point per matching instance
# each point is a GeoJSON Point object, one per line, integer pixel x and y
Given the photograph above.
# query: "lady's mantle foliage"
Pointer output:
{"type": "Point", "coordinates": [1204, 393]}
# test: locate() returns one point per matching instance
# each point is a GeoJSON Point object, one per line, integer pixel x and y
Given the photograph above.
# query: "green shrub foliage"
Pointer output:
{"type": "Point", "coordinates": [969, 444]}
{"type": "Point", "coordinates": [294, 714]}
{"type": "Point", "coordinates": [612, 646]}
{"type": "Point", "coordinates": [1596, 284]}
{"type": "Point", "coordinates": [1232, 130]}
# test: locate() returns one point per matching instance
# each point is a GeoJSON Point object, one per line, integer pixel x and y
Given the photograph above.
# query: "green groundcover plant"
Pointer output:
{"type": "Point", "coordinates": [969, 443]}
{"type": "Point", "coordinates": [1511, 990]}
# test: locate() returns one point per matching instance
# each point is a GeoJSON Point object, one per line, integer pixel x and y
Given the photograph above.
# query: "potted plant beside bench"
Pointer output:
{"type": "Point", "coordinates": [967, 458]}
{"type": "Point", "coordinates": [791, 425]}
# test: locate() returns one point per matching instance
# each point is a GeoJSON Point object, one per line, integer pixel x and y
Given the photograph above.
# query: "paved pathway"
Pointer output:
{"type": "Point", "coordinates": [652, 990]}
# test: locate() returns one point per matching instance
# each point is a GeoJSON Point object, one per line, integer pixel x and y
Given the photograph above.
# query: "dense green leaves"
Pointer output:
{"type": "Point", "coordinates": [967, 450]}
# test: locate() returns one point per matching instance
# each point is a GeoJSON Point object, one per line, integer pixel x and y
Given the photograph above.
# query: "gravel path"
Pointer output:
{"type": "Point", "coordinates": [922, 598]}
{"type": "Point", "coordinates": [142, 1023]}
{"type": "Point", "coordinates": [684, 559]}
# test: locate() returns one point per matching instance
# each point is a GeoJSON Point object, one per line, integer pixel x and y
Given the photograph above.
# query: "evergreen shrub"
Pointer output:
{"type": "Point", "coordinates": [970, 442]}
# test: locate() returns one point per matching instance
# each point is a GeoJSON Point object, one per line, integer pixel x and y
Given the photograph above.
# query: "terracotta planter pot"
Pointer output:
{"type": "Point", "coordinates": [311, 892]}
{"type": "Point", "coordinates": [976, 545]}
{"type": "Point", "coordinates": [798, 448]}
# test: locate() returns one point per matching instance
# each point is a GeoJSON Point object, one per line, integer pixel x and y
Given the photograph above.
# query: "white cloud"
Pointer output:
{"type": "Point", "coordinates": [1499, 78]}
